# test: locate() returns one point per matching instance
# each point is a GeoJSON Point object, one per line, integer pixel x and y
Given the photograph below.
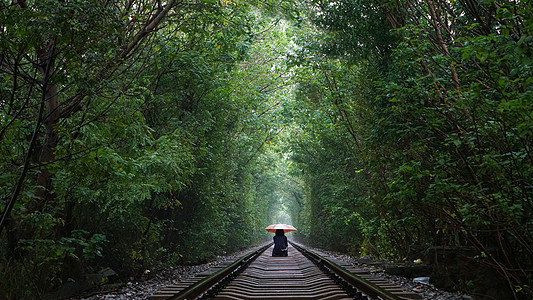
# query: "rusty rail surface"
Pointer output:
{"type": "Point", "coordinates": [292, 277]}
{"type": "Point", "coordinates": [355, 285]}
{"type": "Point", "coordinates": [206, 287]}
{"type": "Point", "coordinates": [304, 274]}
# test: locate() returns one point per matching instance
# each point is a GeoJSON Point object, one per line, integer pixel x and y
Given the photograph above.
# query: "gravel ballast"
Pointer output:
{"type": "Point", "coordinates": [156, 280]}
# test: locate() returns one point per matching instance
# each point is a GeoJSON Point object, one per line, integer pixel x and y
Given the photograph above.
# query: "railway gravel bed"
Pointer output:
{"type": "Point", "coordinates": [143, 288]}
{"type": "Point", "coordinates": [377, 269]}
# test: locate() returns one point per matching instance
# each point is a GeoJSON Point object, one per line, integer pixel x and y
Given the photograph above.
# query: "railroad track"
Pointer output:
{"type": "Point", "coordinates": [303, 274]}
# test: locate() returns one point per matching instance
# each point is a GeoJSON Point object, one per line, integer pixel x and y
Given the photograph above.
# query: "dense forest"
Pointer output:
{"type": "Point", "coordinates": [143, 134]}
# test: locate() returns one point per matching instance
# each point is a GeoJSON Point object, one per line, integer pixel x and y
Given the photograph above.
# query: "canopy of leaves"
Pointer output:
{"type": "Point", "coordinates": [142, 133]}
{"type": "Point", "coordinates": [134, 135]}
{"type": "Point", "coordinates": [421, 111]}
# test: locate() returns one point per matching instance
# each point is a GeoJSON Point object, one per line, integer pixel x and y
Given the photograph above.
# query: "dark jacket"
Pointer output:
{"type": "Point", "coordinates": [280, 243]}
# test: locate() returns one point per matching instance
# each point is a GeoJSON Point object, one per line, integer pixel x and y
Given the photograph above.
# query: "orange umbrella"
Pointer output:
{"type": "Point", "coordinates": [286, 228]}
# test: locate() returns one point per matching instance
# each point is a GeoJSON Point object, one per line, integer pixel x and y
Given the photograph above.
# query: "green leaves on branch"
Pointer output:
{"type": "Point", "coordinates": [438, 116]}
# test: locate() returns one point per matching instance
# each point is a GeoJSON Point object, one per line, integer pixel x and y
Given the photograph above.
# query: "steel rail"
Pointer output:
{"type": "Point", "coordinates": [302, 275]}
{"type": "Point", "coordinates": [219, 278]}
{"type": "Point", "coordinates": [359, 283]}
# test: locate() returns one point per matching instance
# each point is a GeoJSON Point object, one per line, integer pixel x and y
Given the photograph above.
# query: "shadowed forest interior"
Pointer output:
{"type": "Point", "coordinates": [142, 134]}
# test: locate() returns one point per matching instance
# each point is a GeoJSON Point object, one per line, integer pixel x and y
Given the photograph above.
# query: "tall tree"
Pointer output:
{"type": "Point", "coordinates": [438, 115]}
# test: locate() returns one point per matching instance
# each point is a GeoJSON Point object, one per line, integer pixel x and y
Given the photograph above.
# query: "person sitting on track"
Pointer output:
{"type": "Point", "coordinates": [280, 244]}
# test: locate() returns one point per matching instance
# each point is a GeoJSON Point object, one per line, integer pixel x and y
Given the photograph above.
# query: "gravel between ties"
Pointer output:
{"type": "Point", "coordinates": [157, 280]}
{"type": "Point", "coordinates": [142, 289]}
{"type": "Point", "coordinates": [426, 291]}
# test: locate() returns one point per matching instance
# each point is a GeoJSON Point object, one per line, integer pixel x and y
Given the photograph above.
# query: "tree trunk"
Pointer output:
{"type": "Point", "coordinates": [43, 193]}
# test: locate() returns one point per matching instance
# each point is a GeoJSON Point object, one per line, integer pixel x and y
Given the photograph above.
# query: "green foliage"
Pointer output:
{"type": "Point", "coordinates": [148, 146]}
{"type": "Point", "coordinates": [373, 127]}
{"type": "Point", "coordinates": [437, 118]}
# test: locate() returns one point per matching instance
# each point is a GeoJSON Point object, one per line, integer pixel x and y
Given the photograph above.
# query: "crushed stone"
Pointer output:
{"type": "Point", "coordinates": [157, 280]}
